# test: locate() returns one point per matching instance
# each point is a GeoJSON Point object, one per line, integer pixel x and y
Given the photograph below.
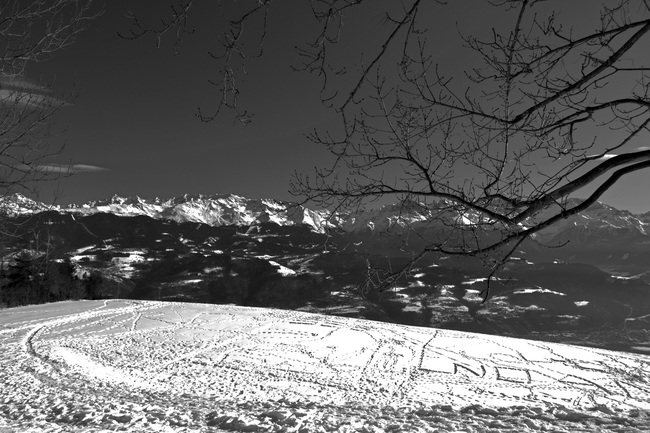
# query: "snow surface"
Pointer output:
{"type": "Point", "coordinates": [282, 270]}
{"type": "Point", "coordinates": [537, 290]}
{"type": "Point", "coordinates": [157, 366]}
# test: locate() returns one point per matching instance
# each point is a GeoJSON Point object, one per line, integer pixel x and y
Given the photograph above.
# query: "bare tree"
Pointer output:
{"type": "Point", "coordinates": [549, 109]}
{"type": "Point", "coordinates": [31, 31]}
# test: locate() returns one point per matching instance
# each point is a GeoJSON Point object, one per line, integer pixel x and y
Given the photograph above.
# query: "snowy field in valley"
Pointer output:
{"type": "Point", "coordinates": [155, 366]}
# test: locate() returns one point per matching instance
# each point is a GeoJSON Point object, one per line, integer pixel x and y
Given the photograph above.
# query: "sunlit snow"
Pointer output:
{"type": "Point", "coordinates": [537, 290]}
{"type": "Point", "coordinates": [151, 365]}
{"type": "Point", "coordinates": [475, 280]}
{"type": "Point", "coordinates": [282, 270]}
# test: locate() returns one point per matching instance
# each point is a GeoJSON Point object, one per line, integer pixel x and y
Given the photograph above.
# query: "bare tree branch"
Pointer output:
{"type": "Point", "coordinates": [552, 107]}
{"type": "Point", "coordinates": [31, 32]}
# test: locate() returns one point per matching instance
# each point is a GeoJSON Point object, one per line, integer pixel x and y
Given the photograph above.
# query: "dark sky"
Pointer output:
{"type": "Point", "coordinates": [134, 116]}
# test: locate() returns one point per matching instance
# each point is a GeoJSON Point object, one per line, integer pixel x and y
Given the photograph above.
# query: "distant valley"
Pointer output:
{"type": "Point", "coordinates": [585, 281]}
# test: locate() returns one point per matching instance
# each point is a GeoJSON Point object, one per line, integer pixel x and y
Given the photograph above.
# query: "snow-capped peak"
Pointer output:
{"type": "Point", "coordinates": [17, 204]}
{"type": "Point", "coordinates": [231, 209]}
{"type": "Point", "coordinates": [213, 210]}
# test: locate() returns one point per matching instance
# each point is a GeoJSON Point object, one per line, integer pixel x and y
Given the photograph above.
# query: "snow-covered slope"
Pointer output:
{"type": "Point", "coordinates": [154, 366]}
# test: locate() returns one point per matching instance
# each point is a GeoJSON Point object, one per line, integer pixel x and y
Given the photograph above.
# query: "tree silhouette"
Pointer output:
{"type": "Point", "coordinates": [32, 32]}
{"type": "Point", "coordinates": [17, 280]}
{"type": "Point", "coordinates": [30, 277]}
{"type": "Point", "coordinates": [552, 104]}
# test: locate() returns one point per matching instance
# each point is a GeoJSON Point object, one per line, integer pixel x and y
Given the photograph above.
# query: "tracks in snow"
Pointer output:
{"type": "Point", "coordinates": [226, 351]}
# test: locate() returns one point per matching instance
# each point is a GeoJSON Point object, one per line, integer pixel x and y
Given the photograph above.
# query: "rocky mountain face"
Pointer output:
{"type": "Point", "coordinates": [585, 280]}
{"type": "Point", "coordinates": [612, 239]}
{"type": "Point", "coordinates": [229, 209]}
{"type": "Point", "coordinates": [215, 210]}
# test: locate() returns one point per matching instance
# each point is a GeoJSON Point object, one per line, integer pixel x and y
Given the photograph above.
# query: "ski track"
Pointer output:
{"type": "Point", "coordinates": [156, 366]}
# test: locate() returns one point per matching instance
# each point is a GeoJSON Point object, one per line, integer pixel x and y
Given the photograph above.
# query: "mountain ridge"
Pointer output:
{"type": "Point", "coordinates": [232, 209]}
{"type": "Point", "coordinates": [213, 210]}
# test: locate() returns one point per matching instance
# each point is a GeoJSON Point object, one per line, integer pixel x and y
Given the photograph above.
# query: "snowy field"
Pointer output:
{"type": "Point", "coordinates": [121, 365]}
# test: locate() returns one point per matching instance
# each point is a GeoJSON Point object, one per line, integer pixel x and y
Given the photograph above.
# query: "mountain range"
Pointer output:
{"type": "Point", "coordinates": [230, 209]}
{"type": "Point", "coordinates": [584, 280]}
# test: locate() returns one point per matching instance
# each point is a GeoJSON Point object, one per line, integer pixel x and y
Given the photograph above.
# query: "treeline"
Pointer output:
{"type": "Point", "coordinates": [29, 278]}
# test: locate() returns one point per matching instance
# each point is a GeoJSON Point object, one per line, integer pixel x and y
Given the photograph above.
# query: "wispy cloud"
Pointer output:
{"type": "Point", "coordinates": [26, 92]}
{"type": "Point", "coordinates": [65, 169]}
{"type": "Point", "coordinates": [69, 169]}
{"type": "Point", "coordinates": [21, 83]}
